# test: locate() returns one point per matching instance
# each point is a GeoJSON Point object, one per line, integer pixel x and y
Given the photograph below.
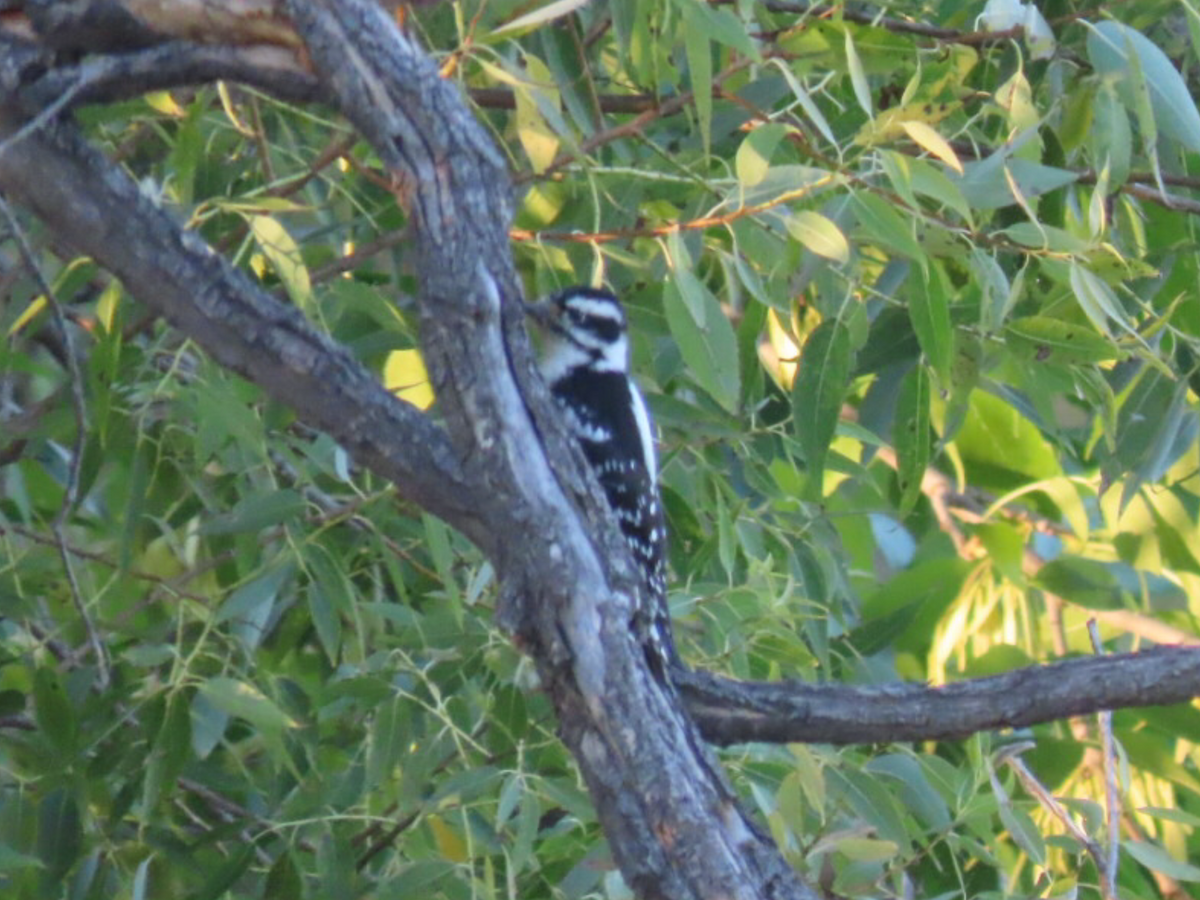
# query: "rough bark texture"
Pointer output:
{"type": "Point", "coordinates": [730, 712]}
{"type": "Point", "coordinates": [501, 470]}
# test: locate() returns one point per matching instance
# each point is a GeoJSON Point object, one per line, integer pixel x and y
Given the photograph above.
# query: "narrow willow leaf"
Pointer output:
{"type": "Point", "coordinates": [928, 139]}
{"type": "Point", "coordinates": [708, 347]}
{"type": "Point", "coordinates": [821, 382]}
{"type": "Point", "coordinates": [1157, 859]}
{"type": "Point", "coordinates": [1045, 339]}
{"type": "Point", "coordinates": [1132, 59]}
{"type": "Point", "coordinates": [245, 701]}
{"type": "Point", "coordinates": [911, 437]}
{"type": "Point", "coordinates": [986, 186]}
{"type": "Point", "coordinates": [806, 102]}
{"type": "Point", "coordinates": [720, 26]}
{"type": "Point", "coordinates": [1097, 300]}
{"type": "Point", "coordinates": [858, 77]}
{"type": "Point", "coordinates": [257, 512]}
{"type": "Point", "coordinates": [172, 748]}
{"type": "Point", "coordinates": [536, 98]}
{"type": "Point", "coordinates": [59, 833]}
{"type": "Point", "coordinates": [531, 20]}
{"type": "Point", "coordinates": [52, 710]}
{"type": "Point", "coordinates": [881, 224]}
{"type": "Point", "coordinates": [1023, 832]}
{"type": "Point", "coordinates": [284, 253]}
{"type": "Point", "coordinates": [819, 234]}
{"type": "Point", "coordinates": [250, 606]}
{"type": "Point", "coordinates": [929, 312]}
{"type": "Point", "coordinates": [699, 57]}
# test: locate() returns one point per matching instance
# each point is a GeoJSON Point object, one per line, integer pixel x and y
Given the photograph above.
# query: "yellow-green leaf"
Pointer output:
{"type": "Point", "coordinates": [405, 376]}
{"type": "Point", "coordinates": [928, 139]}
{"type": "Point", "coordinates": [284, 254]}
{"type": "Point", "coordinates": [819, 234]}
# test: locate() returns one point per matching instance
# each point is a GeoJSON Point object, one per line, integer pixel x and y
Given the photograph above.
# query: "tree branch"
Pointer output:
{"type": "Point", "coordinates": [730, 712]}
{"type": "Point", "coordinates": [96, 208]}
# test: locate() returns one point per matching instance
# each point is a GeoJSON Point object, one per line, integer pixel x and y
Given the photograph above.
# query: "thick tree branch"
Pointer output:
{"type": "Point", "coordinates": [107, 79]}
{"type": "Point", "coordinates": [730, 712]}
{"type": "Point", "coordinates": [96, 208]}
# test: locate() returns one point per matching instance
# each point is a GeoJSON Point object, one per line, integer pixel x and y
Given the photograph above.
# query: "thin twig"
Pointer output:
{"type": "Point", "coordinates": [1050, 803]}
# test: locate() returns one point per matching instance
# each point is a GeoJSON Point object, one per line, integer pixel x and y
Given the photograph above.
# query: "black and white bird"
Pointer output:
{"type": "Point", "coordinates": [585, 361]}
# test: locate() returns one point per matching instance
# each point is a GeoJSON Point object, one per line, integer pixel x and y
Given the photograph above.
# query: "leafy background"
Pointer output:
{"type": "Point", "coordinates": [914, 307]}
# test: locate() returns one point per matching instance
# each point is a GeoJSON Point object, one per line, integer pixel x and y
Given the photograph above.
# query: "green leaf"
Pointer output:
{"type": "Point", "coordinates": [387, 739]}
{"type": "Point", "coordinates": [258, 512]}
{"type": "Point", "coordinates": [858, 76]}
{"type": "Point", "coordinates": [548, 13]}
{"type": "Point", "coordinates": [250, 606]}
{"type": "Point", "coordinates": [53, 711]}
{"type": "Point", "coordinates": [1023, 832]}
{"type": "Point", "coordinates": [753, 159]}
{"type": "Point", "coordinates": [821, 381]}
{"type": "Point", "coordinates": [819, 234]}
{"type": "Point", "coordinates": [283, 881]}
{"type": "Point", "coordinates": [172, 747]}
{"type": "Point", "coordinates": [221, 877]}
{"type": "Point", "coordinates": [1157, 859]}
{"type": "Point", "coordinates": [911, 437]}
{"type": "Point", "coordinates": [917, 793]}
{"type": "Point", "coordinates": [1083, 581]}
{"type": "Point", "coordinates": [986, 184]}
{"type": "Point", "coordinates": [1136, 64]}
{"type": "Point", "coordinates": [243, 700]}
{"type": "Point", "coordinates": [1097, 300]}
{"type": "Point", "coordinates": [330, 597]}
{"type": "Point", "coordinates": [997, 436]}
{"type": "Point", "coordinates": [699, 57]}
{"type": "Point", "coordinates": [718, 25]}
{"type": "Point", "coordinates": [929, 310]}
{"type": "Point", "coordinates": [879, 223]}
{"type": "Point", "coordinates": [707, 342]}
{"type": "Point", "coordinates": [59, 833]}
{"type": "Point", "coordinates": [1042, 339]}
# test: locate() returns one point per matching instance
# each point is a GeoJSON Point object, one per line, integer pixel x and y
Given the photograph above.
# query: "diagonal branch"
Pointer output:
{"type": "Point", "coordinates": [96, 208]}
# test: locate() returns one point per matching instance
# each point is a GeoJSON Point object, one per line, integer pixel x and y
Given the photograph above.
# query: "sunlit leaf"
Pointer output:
{"type": "Point", "coordinates": [284, 253]}
{"type": "Point", "coordinates": [927, 138]}
{"type": "Point", "coordinates": [404, 375]}
{"type": "Point", "coordinates": [819, 235]}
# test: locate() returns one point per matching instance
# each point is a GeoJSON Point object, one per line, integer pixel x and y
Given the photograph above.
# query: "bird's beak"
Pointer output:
{"type": "Point", "coordinates": [544, 313]}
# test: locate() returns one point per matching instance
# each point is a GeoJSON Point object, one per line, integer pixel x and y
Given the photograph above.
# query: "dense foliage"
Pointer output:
{"type": "Point", "coordinates": [914, 307]}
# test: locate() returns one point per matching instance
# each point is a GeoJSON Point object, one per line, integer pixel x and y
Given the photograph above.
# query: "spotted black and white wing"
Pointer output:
{"type": "Point", "coordinates": [606, 412]}
{"type": "Point", "coordinates": [586, 365]}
